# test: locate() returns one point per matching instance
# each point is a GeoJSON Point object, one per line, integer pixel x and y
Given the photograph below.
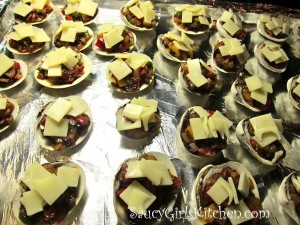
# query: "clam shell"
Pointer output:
{"type": "Point", "coordinates": [263, 61]}
{"type": "Point", "coordinates": [131, 26]}
{"type": "Point", "coordinates": [89, 30]}
{"type": "Point", "coordinates": [207, 171]}
{"type": "Point", "coordinates": [296, 31]}
{"type": "Point", "coordinates": [120, 211]}
{"type": "Point", "coordinates": [103, 53]}
{"type": "Point", "coordinates": [15, 113]}
{"type": "Point", "coordinates": [238, 97]}
{"type": "Point", "coordinates": [24, 71]}
{"type": "Point", "coordinates": [261, 30]}
{"type": "Point", "coordinates": [119, 117]}
{"type": "Point", "coordinates": [192, 32]}
{"type": "Point", "coordinates": [164, 51]}
{"type": "Point", "coordinates": [87, 63]}
{"type": "Point", "coordinates": [44, 20]}
{"type": "Point", "coordinates": [290, 84]}
{"type": "Point", "coordinates": [119, 90]}
{"type": "Point", "coordinates": [244, 137]}
{"type": "Point", "coordinates": [284, 198]}
{"type": "Point", "coordinates": [81, 189]}
{"type": "Point", "coordinates": [44, 143]}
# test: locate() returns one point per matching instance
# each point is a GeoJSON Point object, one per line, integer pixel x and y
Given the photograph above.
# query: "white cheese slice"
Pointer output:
{"type": "Point", "coordinates": [56, 129]}
{"type": "Point", "coordinates": [285, 29]}
{"type": "Point", "coordinates": [57, 57]}
{"type": "Point", "coordinates": [34, 171]}
{"type": "Point", "coordinates": [146, 116]}
{"type": "Point", "coordinates": [68, 34]}
{"type": "Point", "coordinates": [14, 36]}
{"type": "Point", "coordinates": [140, 200]}
{"type": "Point", "coordinates": [145, 102]}
{"type": "Point", "coordinates": [283, 57]}
{"type": "Point", "coordinates": [296, 90]}
{"type": "Point", "coordinates": [243, 209]}
{"type": "Point", "coordinates": [38, 4]}
{"type": "Point", "coordinates": [217, 192]}
{"type": "Point", "coordinates": [243, 185]}
{"type": "Point", "coordinates": [72, 1]}
{"type": "Point", "coordinates": [270, 25]}
{"type": "Point", "coordinates": [3, 102]}
{"type": "Point", "coordinates": [298, 80]}
{"type": "Point", "coordinates": [132, 111]}
{"type": "Point", "coordinates": [39, 36]}
{"type": "Point", "coordinates": [182, 7]}
{"type": "Point", "coordinates": [226, 186]}
{"type": "Point", "coordinates": [134, 169]}
{"type": "Point", "coordinates": [24, 30]}
{"type": "Point", "coordinates": [152, 170]}
{"type": "Point", "coordinates": [277, 21]}
{"type": "Point", "coordinates": [243, 57]}
{"type": "Point", "coordinates": [44, 65]}
{"type": "Point", "coordinates": [78, 107]}
{"type": "Point", "coordinates": [231, 27]}
{"type": "Point", "coordinates": [270, 55]}
{"type": "Point", "coordinates": [147, 4]}
{"type": "Point", "coordinates": [55, 71]}
{"type": "Point", "coordinates": [271, 45]}
{"type": "Point", "coordinates": [200, 111]}
{"type": "Point", "coordinates": [186, 41]}
{"type": "Point", "coordinates": [197, 128]}
{"type": "Point", "coordinates": [225, 50]}
{"type": "Point", "coordinates": [119, 69]}
{"type": "Point", "coordinates": [296, 183]}
{"type": "Point", "coordinates": [234, 191]}
{"type": "Point", "coordinates": [125, 125]}
{"type": "Point", "coordinates": [79, 26]}
{"type": "Point", "coordinates": [112, 37]}
{"type": "Point", "coordinates": [266, 86]}
{"type": "Point", "coordinates": [32, 202]}
{"type": "Point", "coordinates": [267, 138]}
{"type": "Point", "coordinates": [50, 188]}
{"type": "Point", "coordinates": [203, 20]}
{"type": "Point", "coordinates": [69, 175]}
{"type": "Point", "coordinates": [226, 16]}
{"type": "Point", "coordinates": [206, 66]}
{"type": "Point", "coordinates": [71, 8]}
{"type": "Point", "coordinates": [194, 8]}
{"type": "Point", "coordinates": [181, 46]}
{"type": "Point", "coordinates": [236, 47]}
{"type": "Point", "coordinates": [260, 96]}
{"type": "Point", "coordinates": [137, 60]}
{"type": "Point", "coordinates": [172, 36]}
{"type": "Point", "coordinates": [277, 31]}
{"type": "Point", "coordinates": [58, 109]}
{"type": "Point", "coordinates": [105, 28]}
{"type": "Point", "coordinates": [194, 66]}
{"type": "Point", "coordinates": [187, 16]}
{"type": "Point", "coordinates": [87, 7]}
{"type": "Point", "coordinates": [149, 13]}
{"type": "Point", "coordinates": [135, 10]}
{"type": "Point", "coordinates": [22, 9]}
{"type": "Point", "coordinates": [197, 79]}
{"type": "Point", "coordinates": [253, 83]}
{"type": "Point", "coordinates": [71, 58]}
{"type": "Point", "coordinates": [265, 18]}
{"type": "Point", "coordinates": [6, 64]}
{"type": "Point", "coordinates": [120, 28]}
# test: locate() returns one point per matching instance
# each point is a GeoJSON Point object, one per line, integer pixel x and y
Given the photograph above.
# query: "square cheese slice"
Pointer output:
{"type": "Point", "coordinates": [135, 10]}
{"type": "Point", "coordinates": [119, 69]}
{"type": "Point", "coordinates": [71, 58]}
{"type": "Point", "coordinates": [137, 60]}
{"type": "Point", "coordinates": [253, 83]}
{"type": "Point", "coordinates": [68, 34]}
{"type": "Point", "coordinates": [112, 37]}
{"type": "Point", "coordinates": [187, 16]}
{"type": "Point", "coordinates": [39, 36]}
{"type": "Point", "coordinates": [24, 30]}
{"type": "Point", "coordinates": [69, 175]}
{"type": "Point", "coordinates": [231, 27]}
{"type": "Point", "coordinates": [3, 102]}
{"type": "Point", "coordinates": [197, 79]}
{"type": "Point", "coordinates": [22, 9]}
{"type": "Point", "coordinates": [87, 7]}
{"type": "Point", "coordinates": [14, 36]}
{"type": "Point", "coordinates": [226, 16]}
{"type": "Point", "coordinates": [105, 28]}
{"type": "Point", "coordinates": [149, 13]}
{"type": "Point", "coordinates": [38, 4]}
{"type": "Point", "coordinates": [56, 129]}
{"type": "Point", "coordinates": [6, 63]}
{"type": "Point", "coordinates": [133, 111]}
{"type": "Point", "coordinates": [32, 202]}
{"type": "Point", "coordinates": [57, 57]}
{"type": "Point", "coordinates": [71, 8]}
{"type": "Point", "coordinates": [58, 109]}
{"type": "Point", "coordinates": [296, 90]}
{"type": "Point", "coordinates": [197, 128]}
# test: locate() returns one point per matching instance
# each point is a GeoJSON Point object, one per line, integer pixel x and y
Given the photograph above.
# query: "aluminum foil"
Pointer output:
{"type": "Point", "coordinates": [104, 150]}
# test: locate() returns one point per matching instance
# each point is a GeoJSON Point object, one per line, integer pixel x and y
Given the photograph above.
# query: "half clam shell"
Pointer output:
{"type": "Point", "coordinates": [291, 84]}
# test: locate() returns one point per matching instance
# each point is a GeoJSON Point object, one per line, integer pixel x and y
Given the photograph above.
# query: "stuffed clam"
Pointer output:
{"type": "Point", "coordinates": [9, 110]}
{"type": "Point", "coordinates": [230, 25]}
{"type": "Point", "coordinates": [139, 119]}
{"type": "Point", "coordinates": [271, 56]}
{"type": "Point", "coordinates": [262, 137]}
{"type": "Point", "coordinates": [293, 87]}
{"type": "Point", "coordinates": [64, 123]}
{"type": "Point", "coordinates": [26, 39]}
{"type": "Point", "coordinates": [273, 28]}
{"type": "Point", "coordinates": [139, 15]}
{"type": "Point", "coordinates": [84, 11]}
{"type": "Point", "coordinates": [145, 183]}
{"type": "Point", "coordinates": [229, 55]}
{"type": "Point", "coordinates": [49, 193]}
{"type": "Point", "coordinates": [12, 72]}
{"type": "Point", "coordinates": [289, 194]}
{"type": "Point", "coordinates": [197, 77]}
{"type": "Point", "coordinates": [114, 39]}
{"type": "Point", "coordinates": [130, 73]}
{"type": "Point", "coordinates": [253, 92]}
{"type": "Point", "coordinates": [192, 19]}
{"type": "Point", "coordinates": [33, 11]}
{"type": "Point", "coordinates": [204, 132]}
{"type": "Point", "coordinates": [227, 187]}
{"type": "Point", "coordinates": [178, 48]}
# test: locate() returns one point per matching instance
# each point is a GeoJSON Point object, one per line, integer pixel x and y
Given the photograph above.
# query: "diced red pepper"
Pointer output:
{"type": "Point", "coordinates": [253, 143]}
{"type": "Point", "coordinates": [17, 65]}
{"type": "Point", "coordinates": [81, 68]}
{"type": "Point", "coordinates": [39, 76]}
{"type": "Point", "coordinates": [143, 71]}
{"type": "Point", "coordinates": [176, 181]}
{"type": "Point", "coordinates": [69, 17]}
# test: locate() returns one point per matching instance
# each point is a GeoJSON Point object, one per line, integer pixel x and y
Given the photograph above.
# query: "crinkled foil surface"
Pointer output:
{"type": "Point", "coordinates": [101, 154]}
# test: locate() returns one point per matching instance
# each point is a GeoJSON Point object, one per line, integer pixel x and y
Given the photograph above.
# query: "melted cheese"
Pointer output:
{"type": "Point", "coordinates": [6, 64]}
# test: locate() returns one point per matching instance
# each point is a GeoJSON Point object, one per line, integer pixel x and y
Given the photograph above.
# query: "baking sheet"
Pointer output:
{"type": "Point", "coordinates": [104, 150]}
